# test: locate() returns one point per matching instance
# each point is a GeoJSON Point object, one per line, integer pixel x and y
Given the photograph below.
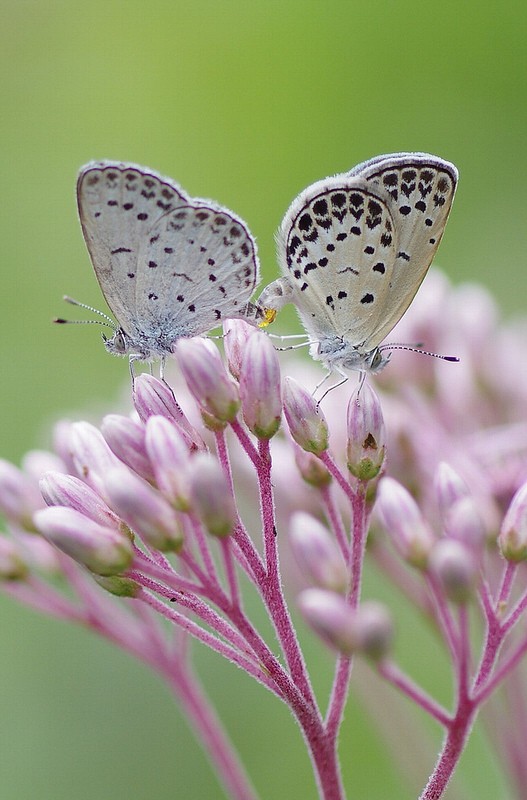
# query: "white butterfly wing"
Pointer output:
{"type": "Point", "coordinates": [421, 189]}
{"type": "Point", "coordinates": [119, 204]}
{"type": "Point", "coordinates": [337, 246]}
{"type": "Point", "coordinates": [197, 266]}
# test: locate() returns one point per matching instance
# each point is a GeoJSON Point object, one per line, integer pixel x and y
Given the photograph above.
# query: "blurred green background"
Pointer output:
{"type": "Point", "coordinates": [247, 103]}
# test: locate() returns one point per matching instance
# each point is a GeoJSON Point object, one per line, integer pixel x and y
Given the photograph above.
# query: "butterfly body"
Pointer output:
{"type": "Point", "coordinates": [169, 266]}
{"type": "Point", "coordinates": [354, 250]}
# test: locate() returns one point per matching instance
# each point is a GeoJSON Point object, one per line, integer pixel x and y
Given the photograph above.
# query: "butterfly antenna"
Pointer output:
{"type": "Point", "coordinates": [413, 349]}
{"type": "Point", "coordinates": [109, 321]}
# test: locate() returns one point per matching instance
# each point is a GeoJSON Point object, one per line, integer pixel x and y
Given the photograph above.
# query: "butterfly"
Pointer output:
{"type": "Point", "coordinates": [354, 249]}
{"type": "Point", "coordinates": [169, 266]}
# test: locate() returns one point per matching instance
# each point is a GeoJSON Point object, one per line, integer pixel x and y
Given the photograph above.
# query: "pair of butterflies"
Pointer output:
{"type": "Point", "coordinates": [353, 249]}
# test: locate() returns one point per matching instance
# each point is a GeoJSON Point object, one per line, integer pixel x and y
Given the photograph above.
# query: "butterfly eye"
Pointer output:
{"type": "Point", "coordinates": [119, 342]}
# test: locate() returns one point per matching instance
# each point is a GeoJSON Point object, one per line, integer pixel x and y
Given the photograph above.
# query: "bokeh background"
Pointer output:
{"type": "Point", "coordinates": [245, 102]}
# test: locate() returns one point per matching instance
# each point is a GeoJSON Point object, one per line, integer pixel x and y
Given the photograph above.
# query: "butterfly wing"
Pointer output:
{"type": "Point", "coordinates": [420, 190]}
{"type": "Point", "coordinates": [337, 246]}
{"type": "Point", "coordinates": [197, 266]}
{"type": "Point", "coordinates": [119, 204]}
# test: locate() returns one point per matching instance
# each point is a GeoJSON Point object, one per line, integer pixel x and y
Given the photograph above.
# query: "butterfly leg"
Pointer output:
{"type": "Point", "coordinates": [343, 380]}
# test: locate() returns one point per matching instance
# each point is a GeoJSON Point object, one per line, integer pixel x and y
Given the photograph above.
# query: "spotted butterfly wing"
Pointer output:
{"type": "Point", "coordinates": [338, 244]}
{"type": "Point", "coordinates": [168, 265]}
{"type": "Point", "coordinates": [118, 205]}
{"type": "Point", "coordinates": [421, 189]}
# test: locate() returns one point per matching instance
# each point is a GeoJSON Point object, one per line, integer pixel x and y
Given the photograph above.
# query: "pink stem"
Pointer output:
{"type": "Point", "coordinates": [209, 730]}
{"type": "Point", "coordinates": [393, 675]}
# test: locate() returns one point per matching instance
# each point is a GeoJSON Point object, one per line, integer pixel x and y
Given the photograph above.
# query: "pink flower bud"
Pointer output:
{"type": "Point", "coordinates": [209, 383]}
{"type": "Point", "coordinates": [317, 553]}
{"type": "Point", "coordinates": [37, 462]}
{"type": "Point", "coordinates": [12, 565]}
{"type": "Point", "coordinates": [237, 334]}
{"type": "Point", "coordinates": [330, 617]}
{"type": "Point", "coordinates": [143, 509]}
{"type": "Point", "coordinates": [449, 487]}
{"type": "Point", "coordinates": [513, 535]}
{"type": "Point", "coordinates": [311, 468]}
{"type": "Point", "coordinates": [211, 496]}
{"type": "Point", "coordinates": [19, 496]}
{"type": "Point", "coordinates": [366, 434]}
{"type": "Point", "coordinates": [91, 456]}
{"type": "Point", "coordinates": [59, 489]}
{"type": "Point", "coordinates": [260, 389]}
{"type": "Point", "coordinates": [463, 522]}
{"type": "Point", "coordinates": [306, 421]}
{"type": "Point", "coordinates": [126, 438]}
{"type": "Point", "coordinates": [455, 567]}
{"type": "Point", "coordinates": [373, 630]}
{"type": "Point", "coordinates": [155, 397]}
{"type": "Point", "coordinates": [170, 456]}
{"type": "Point", "coordinates": [102, 550]}
{"type": "Point", "coordinates": [404, 523]}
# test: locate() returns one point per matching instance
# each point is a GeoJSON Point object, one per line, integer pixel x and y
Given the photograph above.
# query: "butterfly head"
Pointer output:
{"type": "Point", "coordinates": [118, 344]}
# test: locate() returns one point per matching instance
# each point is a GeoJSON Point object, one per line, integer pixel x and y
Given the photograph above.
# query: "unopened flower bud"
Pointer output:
{"type": "Point", "coordinates": [366, 434]}
{"type": "Point", "coordinates": [311, 468]}
{"type": "Point", "coordinates": [170, 456]}
{"type": "Point", "coordinates": [463, 522]}
{"type": "Point", "coordinates": [59, 489]}
{"type": "Point", "coordinates": [154, 397]}
{"type": "Point", "coordinates": [455, 567]}
{"type": "Point", "coordinates": [103, 550]}
{"type": "Point", "coordinates": [211, 496]}
{"type": "Point", "coordinates": [36, 462]}
{"type": "Point", "coordinates": [373, 630]}
{"type": "Point", "coordinates": [144, 510]}
{"type": "Point", "coordinates": [449, 487]}
{"type": "Point", "coordinates": [12, 565]}
{"type": "Point", "coordinates": [404, 523]}
{"type": "Point", "coordinates": [91, 456]}
{"type": "Point", "coordinates": [330, 617]}
{"type": "Point", "coordinates": [305, 419]}
{"type": "Point", "coordinates": [513, 535]}
{"type": "Point", "coordinates": [126, 438]}
{"type": "Point", "coordinates": [19, 496]}
{"type": "Point", "coordinates": [237, 334]}
{"type": "Point", "coordinates": [260, 389]}
{"type": "Point", "coordinates": [317, 553]}
{"type": "Point", "coordinates": [208, 381]}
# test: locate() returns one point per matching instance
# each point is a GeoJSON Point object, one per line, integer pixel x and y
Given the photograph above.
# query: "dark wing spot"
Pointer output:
{"type": "Point", "coordinates": [305, 222]}
{"type": "Point", "coordinates": [121, 250]}
{"type": "Point", "coordinates": [142, 216]}
{"type": "Point", "coordinates": [152, 264]}
{"type": "Point", "coordinates": [379, 267]}
{"type": "Point", "coordinates": [369, 250]}
{"type": "Point", "coordinates": [341, 295]}
{"type": "Point", "coordinates": [152, 296]}
{"type": "Point", "coordinates": [367, 298]}
{"type": "Point", "coordinates": [404, 256]}
{"type": "Point", "coordinates": [404, 210]}
{"type": "Point", "coordinates": [320, 207]}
